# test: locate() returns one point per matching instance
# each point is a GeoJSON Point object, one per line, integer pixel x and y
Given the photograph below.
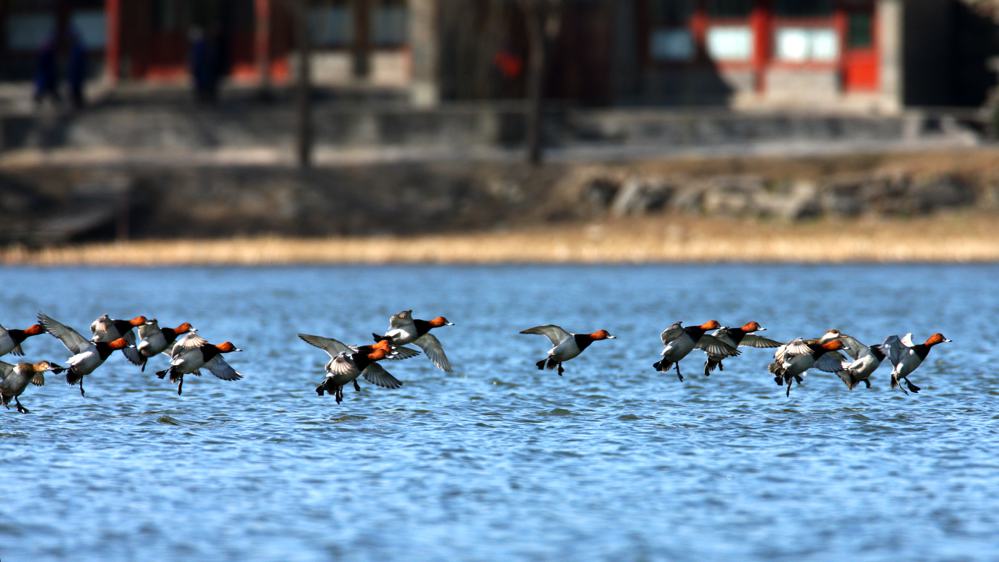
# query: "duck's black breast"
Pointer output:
{"type": "Point", "coordinates": [921, 350]}
{"type": "Point", "coordinates": [582, 340]}
{"type": "Point", "coordinates": [422, 326]}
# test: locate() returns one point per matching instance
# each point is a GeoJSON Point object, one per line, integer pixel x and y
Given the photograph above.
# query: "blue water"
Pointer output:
{"type": "Point", "coordinates": [499, 460]}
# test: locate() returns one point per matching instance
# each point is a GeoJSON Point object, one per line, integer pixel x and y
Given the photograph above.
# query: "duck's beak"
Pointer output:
{"type": "Point", "coordinates": [449, 324]}
{"type": "Point", "coordinates": [947, 340]}
{"type": "Point", "coordinates": [610, 337]}
{"type": "Point", "coordinates": [761, 329]}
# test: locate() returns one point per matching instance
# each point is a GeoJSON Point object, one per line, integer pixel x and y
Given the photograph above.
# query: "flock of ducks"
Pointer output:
{"type": "Point", "coordinates": [189, 352]}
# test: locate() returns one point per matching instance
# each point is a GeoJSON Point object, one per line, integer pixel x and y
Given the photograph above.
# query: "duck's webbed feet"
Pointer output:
{"type": "Point", "coordinates": [915, 389]}
{"type": "Point", "coordinates": [867, 382]}
{"type": "Point", "coordinates": [21, 408]}
{"type": "Point", "coordinates": [339, 394]}
{"type": "Point", "coordinates": [560, 370]}
{"type": "Point", "coordinates": [357, 387]}
{"type": "Point", "coordinates": [788, 393]}
{"type": "Point", "coordinates": [82, 393]}
{"type": "Point", "coordinates": [541, 364]}
{"type": "Point", "coordinates": [678, 375]}
{"type": "Point", "coordinates": [180, 386]}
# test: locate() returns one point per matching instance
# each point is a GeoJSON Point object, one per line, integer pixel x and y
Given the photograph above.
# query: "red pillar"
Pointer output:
{"type": "Point", "coordinates": [760, 20]}
{"type": "Point", "coordinates": [112, 47]}
{"type": "Point", "coordinates": [262, 40]}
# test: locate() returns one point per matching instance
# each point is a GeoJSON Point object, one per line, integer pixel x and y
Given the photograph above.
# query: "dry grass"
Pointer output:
{"type": "Point", "coordinates": [950, 238]}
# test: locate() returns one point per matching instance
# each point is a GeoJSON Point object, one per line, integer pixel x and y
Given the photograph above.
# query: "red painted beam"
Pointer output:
{"type": "Point", "coordinates": [112, 49]}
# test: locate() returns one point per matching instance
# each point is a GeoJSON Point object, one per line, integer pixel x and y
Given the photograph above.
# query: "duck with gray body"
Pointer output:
{"type": "Point", "coordinates": [10, 340]}
{"type": "Point", "coordinates": [14, 380]}
{"type": "Point", "coordinates": [347, 362]}
{"type": "Point", "coordinates": [863, 361]}
{"type": "Point", "coordinates": [154, 340]}
{"type": "Point", "coordinates": [87, 355]}
{"type": "Point", "coordinates": [678, 342]}
{"type": "Point", "coordinates": [566, 345]}
{"type": "Point", "coordinates": [906, 356]}
{"type": "Point", "coordinates": [403, 329]}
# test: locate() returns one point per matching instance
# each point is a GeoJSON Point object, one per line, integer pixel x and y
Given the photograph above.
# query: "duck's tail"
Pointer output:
{"type": "Point", "coordinates": [72, 377]}
{"type": "Point", "coordinates": [662, 365]}
{"type": "Point", "coordinates": [711, 364]}
{"type": "Point", "coordinates": [321, 389]}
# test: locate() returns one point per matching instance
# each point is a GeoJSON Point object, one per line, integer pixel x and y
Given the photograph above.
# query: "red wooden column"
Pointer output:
{"type": "Point", "coordinates": [760, 21]}
{"type": "Point", "coordinates": [112, 47]}
{"type": "Point", "coordinates": [699, 31]}
{"type": "Point", "coordinates": [262, 40]}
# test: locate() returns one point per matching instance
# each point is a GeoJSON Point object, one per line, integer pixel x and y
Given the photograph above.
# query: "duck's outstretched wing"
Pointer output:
{"type": "Point", "coordinates": [376, 375]}
{"type": "Point", "coordinates": [750, 340]}
{"type": "Point", "coordinates": [674, 331]}
{"type": "Point", "coordinates": [554, 333]}
{"type": "Point", "coordinates": [830, 362]}
{"type": "Point", "coordinates": [38, 379]}
{"type": "Point", "coordinates": [329, 345]}
{"type": "Point", "coordinates": [400, 353]}
{"type": "Point", "coordinates": [130, 351]}
{"type": "Point", "coordinates": [341, 366]}
{"type": "Point", "coordinates": [221, 369]}
{"type": "Point", "coordinates": [852, 345]}
{"type": "Point", "coordinates": [69, 337]}
{"type": "Point", "coordinates": [435, 352]}
{"type": "Point", "coordinates": [5, 370]}
{"type": "Point", "coordinates": [793, 348]}
{"type": "Point", "coordinates": [895, 347]}
{"type": "Point", "coordinates": [716, 347]}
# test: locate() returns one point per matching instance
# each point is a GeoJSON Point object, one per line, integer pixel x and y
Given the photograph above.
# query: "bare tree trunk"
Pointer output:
{"type": "Point", "coordinates": [304, 94]}
{"type": "Point", "coordinates": [534, 14]}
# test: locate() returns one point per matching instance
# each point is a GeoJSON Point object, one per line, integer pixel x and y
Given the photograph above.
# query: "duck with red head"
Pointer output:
{"type": "Point", "coordinates": [10, 340]}
{"type": "Point", "coordinates": [14, 380]}
{"type": "Point", "coordinates": [154, 340]}
{"type": "Point", "coordinates": [678, 342]}
{"type": "Point", "coordinates": [906, 357]}
{"type": "Point", "coordinates": [565, 345]}
{"type": "Point", "coordinates": [192, 354]}
{"type": "Point", "coordinates": [87, 355]}
{"type": "Point", "coordinates": [793, 359]}
{"type": "Point", "coordinates": [403, 329]}
{"type": "Point", "coordinates": [107, 329]}
{"type": "Point", "coordinates": [736, 337]}
{"type": "Point", "coordinates": [348, 362]}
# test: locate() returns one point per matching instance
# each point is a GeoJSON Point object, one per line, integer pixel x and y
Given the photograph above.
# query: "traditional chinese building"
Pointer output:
{"type": "Point", "coordinates": [817, 54]}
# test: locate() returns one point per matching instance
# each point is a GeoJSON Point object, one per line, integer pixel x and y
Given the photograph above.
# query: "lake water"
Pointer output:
{"type": "Point", "coordinates": [498, 460]}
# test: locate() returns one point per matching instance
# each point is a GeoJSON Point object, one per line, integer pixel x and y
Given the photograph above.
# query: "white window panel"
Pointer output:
{"type": "Point", "coordinates": [91, 27]}
{"type": "Point", "coordinates": [390, 25]}
{"type": "Point", "coordinates": [803, 44]}
{"type": "Point", "coordinates": [331, 25]}
{"type": "Point", "coordinates": [672, 44]}
{"type": "Point", "coordinates": [730, 42]}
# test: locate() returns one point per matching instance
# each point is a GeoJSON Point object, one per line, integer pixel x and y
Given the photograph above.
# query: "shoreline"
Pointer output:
{"type": "Point", "coordinates": [953, 238]}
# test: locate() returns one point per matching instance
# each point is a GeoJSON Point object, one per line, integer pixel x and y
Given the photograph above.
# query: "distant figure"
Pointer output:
{"type": "Point", "coordinates": [203, 67]}
{"type": "Point", "coordinates": [76, 69]}
{"type": "Point", "coordinates": [47, 74]}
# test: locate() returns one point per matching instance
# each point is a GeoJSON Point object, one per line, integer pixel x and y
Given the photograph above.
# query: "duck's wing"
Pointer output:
{"type": "Point", "coordinates": [69, 337]}
{"type": "Point", "coordinates": [895, 347]}
{"type": "Point", "coordinates": [130, 351]}
{"type": "Point", "coordinates": [221, 369]}
{"type": "Point", "coordinates": [38, 379]}
{"type": "Point", "coordinates": [554, 333]}
{"type": "Point", "coordinates": [830, 362]}
{"type": "Point", "coordinates": [907, 340]}
{"type": "Point", "coordinates": [400, 353]}
{"type": "Point", "coordinates": [853, 346]}
{"type": "Point", "coordinates": [716, 347]}
{"type": "Point", "coordinates": [749, 340]}
{"type": "Point", "coordinates": [376, 375]}
{"type": "Point", "coordinates": [674, 331]}
{"type": "Point", "coordinates": [791, 349]}
{"type": "Point", "coordinates": [724, 334]}
{"type": "Point", "coordinates": [341, 366]}
{"type": "Point", "coordinates": [435, 352]}
{"type": "Point", "coordinates": [329, 345]}
{"type": "Point", "coordinates": [5, 370]}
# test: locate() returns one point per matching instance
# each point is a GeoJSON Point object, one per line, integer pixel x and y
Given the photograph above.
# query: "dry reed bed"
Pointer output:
{"type": "Point", "coordinates": [954, 238]}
